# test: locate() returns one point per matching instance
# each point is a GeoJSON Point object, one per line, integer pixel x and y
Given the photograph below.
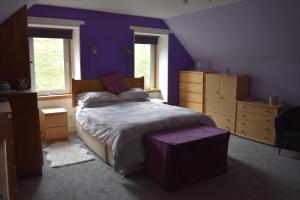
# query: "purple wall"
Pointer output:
{"type": "Point", "coordinates": [255, 37]}
{"type": "Point", "coordinates": [109, 32]}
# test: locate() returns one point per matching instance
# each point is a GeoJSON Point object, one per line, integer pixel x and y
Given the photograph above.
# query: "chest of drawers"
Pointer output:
{"type": "Point", "coordinates": [191, 90]}
{"type": "Point", "coordinates": [255, 121]}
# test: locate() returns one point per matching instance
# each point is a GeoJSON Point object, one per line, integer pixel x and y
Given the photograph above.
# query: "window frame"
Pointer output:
{"type": "Point", "coordinates": [67, 69]}
{"type": "Point", "coordinates": [153, 67]}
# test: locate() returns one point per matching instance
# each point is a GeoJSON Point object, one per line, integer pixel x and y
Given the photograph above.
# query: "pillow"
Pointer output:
{"type": "Point", "coordinates": [114, 83]}
{"type": "Point", "coordinates": [100, 104]}
{"type": "Point", "coordinates": [88, 98]}
{"type": "Point", "coordinates": [134, 94]}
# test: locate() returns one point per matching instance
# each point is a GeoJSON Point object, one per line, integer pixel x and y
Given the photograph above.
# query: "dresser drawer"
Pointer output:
{"type": "Point", "coordinates": [56, 120]}
{"type": "Point", "coordinates": [191, 87]}
{"type": "Point", "coordinates": [222, 121]}
{"type": "Point", "coordinates": [260, 128]}
{"type": "Point", "coordinates": [191, 77]}
{"type": "Point", "coordinates": [56, 133]}
{"type": "Point", "coordinates": [255, 135]}
{"type": "Point", "coordinates": [190, 96]}
{"type": "Point", "coordinates": [261, 119]}
{"type": "Point", "coordinates": [257, 109]}
{"type": "Point", "coordinates": [192, 105]}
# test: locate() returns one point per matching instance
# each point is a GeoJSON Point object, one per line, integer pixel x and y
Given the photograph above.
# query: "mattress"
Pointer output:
{"type": "Point", "coordinates": [123, 125]}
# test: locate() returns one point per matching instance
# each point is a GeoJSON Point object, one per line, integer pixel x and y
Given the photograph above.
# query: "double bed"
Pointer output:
{"type": "Point", "coordinates": [114, 132]}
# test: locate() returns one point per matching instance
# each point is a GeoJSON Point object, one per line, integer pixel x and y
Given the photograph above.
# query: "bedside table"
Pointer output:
{"type": "Point", "coordinates": [54, 123]}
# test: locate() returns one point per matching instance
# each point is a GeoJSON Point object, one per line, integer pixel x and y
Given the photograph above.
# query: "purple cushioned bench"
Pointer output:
{"type": "Point", "coordinates": [180, 157]}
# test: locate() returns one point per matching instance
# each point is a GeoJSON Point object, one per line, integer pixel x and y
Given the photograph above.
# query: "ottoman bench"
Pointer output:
{"type": "Point", "coordinates": [179, 157]}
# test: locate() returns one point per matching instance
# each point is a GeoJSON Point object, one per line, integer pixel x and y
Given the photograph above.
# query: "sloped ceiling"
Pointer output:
{"type": "Point", "coordinates": [146, 8]}
{"type": "Point", "coordinates": [255, 37]}
{"type": "Point", "coordinates": [247, 29]}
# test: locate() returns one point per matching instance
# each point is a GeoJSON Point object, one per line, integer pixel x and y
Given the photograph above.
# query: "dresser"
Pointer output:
{"type": "Point", "coordinates": [54, 123]}
{"type": "Point", "coordinates": [255, 121]}
{"type": "Point", "coordinates": [191, 90]}
{"type": "Point", "coordinates": [221, 94]}
{"type": "Point", "coordinates": [7, 161]}
{"type": "Point", "coordinates": [26, 132]}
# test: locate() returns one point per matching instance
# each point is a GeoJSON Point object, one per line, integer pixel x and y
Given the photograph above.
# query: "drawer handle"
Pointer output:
{"type": "Point", "coordinates": [217, 92]}
{"type": "Point", "coordinates": [228, 120]}
{"type": "Point", "coordinates": [244, 107]}
{"type": "Point", "coordinates": [227, 127]}
{"type": "Point", "coordinates": [266, 129]}
{"type": "Point", "coordinates": [221, 97]}
{"type": "Point", "coordinates": [243, 115]}
{"type": "Point", "coordinates": [243, 132]}
{"type": "Point", "coordinates": [243, 124]}
{"type": "Point", "coordinates": [267, 120]}
{"type": "Point", "coordinates": [268, 111]}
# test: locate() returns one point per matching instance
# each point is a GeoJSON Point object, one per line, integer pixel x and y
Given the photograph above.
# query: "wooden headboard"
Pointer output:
{"type": "Point", "coordinates": [79, 86]}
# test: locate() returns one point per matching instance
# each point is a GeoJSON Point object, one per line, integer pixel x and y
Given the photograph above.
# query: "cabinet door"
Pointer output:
{"type": "Point", "coordinates": [227, 101]}
{"type": "Point", "coordinates": [212, 87]}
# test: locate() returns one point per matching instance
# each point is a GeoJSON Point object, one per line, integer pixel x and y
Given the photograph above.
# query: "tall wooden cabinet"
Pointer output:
{"type": "Point", "coordinates": [7, 160]}
{"type": "Point", "coordinates": [26, 133]}
{"type": "Point", "coordinates": [221, 94]}
{"type": "Point", "coordinates": [191, 84]}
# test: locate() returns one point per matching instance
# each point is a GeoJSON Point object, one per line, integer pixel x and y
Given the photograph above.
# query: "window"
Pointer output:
{"type": "Point", "coordinates": [50, 65]}
{"type": "Point", "coordinates": [145, 60]}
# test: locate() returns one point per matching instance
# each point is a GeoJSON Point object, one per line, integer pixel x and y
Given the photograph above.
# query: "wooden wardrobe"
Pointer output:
{"type": "Point", "coordinates": [7, 160]}
{"type": "Point", "coordinates": [221, 95]}
{"type": "Point", "coordinates": [14, 64]}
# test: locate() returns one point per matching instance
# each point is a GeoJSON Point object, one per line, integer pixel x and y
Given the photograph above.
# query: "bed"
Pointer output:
{"type": "Point", "coordinates": [115, 132]}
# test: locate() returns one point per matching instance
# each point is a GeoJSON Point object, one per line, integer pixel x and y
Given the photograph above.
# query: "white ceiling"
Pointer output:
{"type": "Point", "coordinates": [148, 8]}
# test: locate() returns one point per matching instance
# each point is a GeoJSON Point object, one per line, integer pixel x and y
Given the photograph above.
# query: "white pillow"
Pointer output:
{"type": "Point", "coordinates": [134, 94]}
{"type": "Point", "coordinates": [88, 98]}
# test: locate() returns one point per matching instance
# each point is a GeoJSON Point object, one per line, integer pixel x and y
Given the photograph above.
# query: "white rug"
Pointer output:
{"type": "Point", "coordinates": [65, 153]}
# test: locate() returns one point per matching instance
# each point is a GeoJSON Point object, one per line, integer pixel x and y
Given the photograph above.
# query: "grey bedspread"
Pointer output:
{"type": "Point", "coordinates": [123, 125]}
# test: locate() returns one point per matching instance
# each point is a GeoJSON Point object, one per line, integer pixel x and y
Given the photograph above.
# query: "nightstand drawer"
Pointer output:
{"type": "Point", "coordinates": [56, 133]}
{"type": "Point", "coordinates": [56, 120]}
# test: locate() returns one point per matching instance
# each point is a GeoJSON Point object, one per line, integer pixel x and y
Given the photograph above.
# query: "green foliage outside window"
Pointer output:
{"type": "Point", "coordinates": [142, 56]}
{"type": "Point", "coordinates": [49, 64]}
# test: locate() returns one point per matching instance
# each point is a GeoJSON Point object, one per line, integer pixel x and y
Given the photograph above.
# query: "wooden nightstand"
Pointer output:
{"type": "Point", "coordinates": [54, 123]}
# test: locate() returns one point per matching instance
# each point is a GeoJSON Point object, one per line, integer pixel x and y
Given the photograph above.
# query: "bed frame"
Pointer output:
{"type": "Point", "coordinates": [97, 146]}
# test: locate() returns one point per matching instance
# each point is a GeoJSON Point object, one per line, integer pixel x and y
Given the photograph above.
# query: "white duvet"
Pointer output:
{"type": "Point", "coordinates": [123, 125]}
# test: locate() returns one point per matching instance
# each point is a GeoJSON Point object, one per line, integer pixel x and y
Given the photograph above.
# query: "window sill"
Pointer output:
{"type": "Point", "coordinates": [152, 90]}
{"type": "Point", "coordinates": [54, 97]}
